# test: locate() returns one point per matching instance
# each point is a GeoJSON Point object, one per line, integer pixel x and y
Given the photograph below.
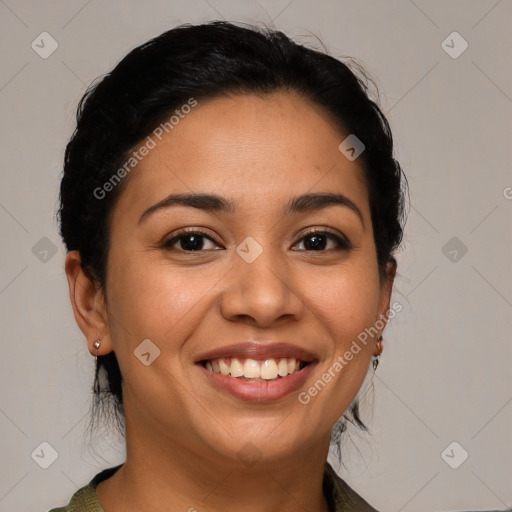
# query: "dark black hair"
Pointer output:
{"type": "Point", "coordinates": [203, 62]}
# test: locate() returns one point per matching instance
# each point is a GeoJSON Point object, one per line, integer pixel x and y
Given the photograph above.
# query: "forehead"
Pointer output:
{"type": "Point", "coordinates": [258, 151]}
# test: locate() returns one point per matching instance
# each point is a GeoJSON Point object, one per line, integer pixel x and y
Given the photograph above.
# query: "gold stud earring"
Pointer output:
{"type": "Point", "coordinates": [96, 345]}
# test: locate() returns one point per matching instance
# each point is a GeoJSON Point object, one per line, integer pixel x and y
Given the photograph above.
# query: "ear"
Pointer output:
{"type": "Point", "coordinates": [386, 287]}
{"type": "Point", "coordinates": [88, 304]}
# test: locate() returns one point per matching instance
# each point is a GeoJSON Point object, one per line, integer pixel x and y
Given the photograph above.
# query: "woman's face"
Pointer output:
{"type": "Point", "coordinates": [250, 275]}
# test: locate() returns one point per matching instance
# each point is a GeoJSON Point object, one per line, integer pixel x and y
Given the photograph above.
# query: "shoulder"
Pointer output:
{"type": "Point", "coordinates": [341, 497]}
{"type": "Point", "coordinates": [85, 499]}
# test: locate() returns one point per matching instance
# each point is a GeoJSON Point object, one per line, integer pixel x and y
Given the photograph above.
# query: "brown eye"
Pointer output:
{"type": "Point", "coordinates": [319, 240]}
{"type": "Point", "coordinates": [190, 241]}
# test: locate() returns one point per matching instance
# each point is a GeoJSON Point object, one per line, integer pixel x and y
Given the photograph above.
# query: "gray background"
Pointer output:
{"type": "Point", "coordinates": [445, 374]}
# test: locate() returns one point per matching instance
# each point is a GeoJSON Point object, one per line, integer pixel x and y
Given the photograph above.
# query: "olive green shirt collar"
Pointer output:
{"type": "Point", "coordinates": [340, 497]}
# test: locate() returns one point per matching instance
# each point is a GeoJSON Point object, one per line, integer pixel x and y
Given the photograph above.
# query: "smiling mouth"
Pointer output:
{"type": "Point", "coordinates": [255, 370]}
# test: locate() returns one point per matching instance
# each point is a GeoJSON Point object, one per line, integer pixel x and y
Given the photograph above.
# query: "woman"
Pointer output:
{"type": "Point", "coordinates": [230, 205]}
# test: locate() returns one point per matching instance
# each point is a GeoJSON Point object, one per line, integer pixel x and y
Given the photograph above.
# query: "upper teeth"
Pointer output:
{"type": "Point", "coordinates": [251, 368]}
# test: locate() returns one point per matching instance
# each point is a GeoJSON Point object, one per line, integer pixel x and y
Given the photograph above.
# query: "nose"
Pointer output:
{"type": "Point", "coordinates": [262, 293]}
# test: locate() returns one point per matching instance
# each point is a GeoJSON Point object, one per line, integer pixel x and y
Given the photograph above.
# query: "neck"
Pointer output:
{"type": "Point", "coordinates": [158, 471]}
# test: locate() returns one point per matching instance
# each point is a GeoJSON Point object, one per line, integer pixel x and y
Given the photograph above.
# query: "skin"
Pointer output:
{"type": "Point", "coordinates": [183, 435]}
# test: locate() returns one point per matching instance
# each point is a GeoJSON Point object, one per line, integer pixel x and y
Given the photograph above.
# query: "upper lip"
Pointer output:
{"type": "Point", "coordinates": [258, 350]}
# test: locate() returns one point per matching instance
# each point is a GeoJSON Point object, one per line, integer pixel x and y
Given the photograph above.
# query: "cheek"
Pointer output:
{"type": "Point", "coordinates": [155, 301]}
{"type": "Point", "coordinates": [164, 304]}
{"type": "Point", "coordinates": [347, 304]}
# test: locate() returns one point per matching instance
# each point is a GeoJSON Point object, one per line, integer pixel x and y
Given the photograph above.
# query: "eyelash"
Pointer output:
{"type": "Point", "coordinates": [343, 244]}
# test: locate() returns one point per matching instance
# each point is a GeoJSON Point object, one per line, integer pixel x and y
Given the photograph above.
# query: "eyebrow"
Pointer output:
{"type": "Point", "coordinates": [214, 203]}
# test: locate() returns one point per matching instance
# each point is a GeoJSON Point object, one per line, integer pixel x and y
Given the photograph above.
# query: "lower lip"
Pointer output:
{"type": "Point", "coordinates": [259, 391]}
